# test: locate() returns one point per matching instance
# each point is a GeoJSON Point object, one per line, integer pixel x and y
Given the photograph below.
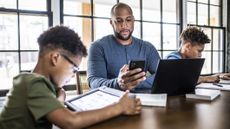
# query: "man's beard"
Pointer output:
{"type": "Point", "coordinates": [119, 36]}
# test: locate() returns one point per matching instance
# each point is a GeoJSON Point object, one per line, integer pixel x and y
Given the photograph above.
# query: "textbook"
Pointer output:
{"type": "Point", "coordinates": [204, 94]}
{"type": "Point", "coordinates": [158, 100]}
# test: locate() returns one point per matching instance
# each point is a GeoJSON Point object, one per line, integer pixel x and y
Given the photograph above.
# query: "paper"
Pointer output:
{"type": "Point", "coordinates": [204, 94]}
{"type": "Point", "coordinates": [95, 100]}
{"type": "Point", "coordinates": [225, 87]}
{"type": "Point", "coordinates": [153, 99]}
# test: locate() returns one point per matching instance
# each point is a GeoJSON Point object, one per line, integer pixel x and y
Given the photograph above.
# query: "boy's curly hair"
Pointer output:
{"type": "Point", "coordinates": [64, 38]}
{"type": "Point", "coordinates": [194, 36]}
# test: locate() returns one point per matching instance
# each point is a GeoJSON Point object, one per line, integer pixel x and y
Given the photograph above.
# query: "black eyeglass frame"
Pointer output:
{"type": "Point", "coordinates": [76, 67]}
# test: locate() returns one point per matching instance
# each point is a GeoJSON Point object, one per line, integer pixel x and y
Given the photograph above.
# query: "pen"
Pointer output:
{"type": "Point", "coordinates": [217, 84]}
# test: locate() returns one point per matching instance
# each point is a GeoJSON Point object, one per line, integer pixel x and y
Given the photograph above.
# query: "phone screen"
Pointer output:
{"type": "Point", "coordinates": [133, 64]}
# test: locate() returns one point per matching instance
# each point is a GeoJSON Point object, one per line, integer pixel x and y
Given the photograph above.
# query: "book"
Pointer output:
{"type": "Point", "coordinates": [158, 100]}
{"type": "Point", "coordinates": [216, 86]}
{"type": "Point", "coordinates": [204, 94]}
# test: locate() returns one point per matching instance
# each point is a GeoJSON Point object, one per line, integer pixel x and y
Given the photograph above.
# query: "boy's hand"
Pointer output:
{"type": "Point", "coordinates": [129, 105]}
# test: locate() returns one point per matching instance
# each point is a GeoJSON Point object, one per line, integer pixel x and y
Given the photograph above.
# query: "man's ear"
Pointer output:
{"type": "Point", "coordinates": [111, 22]}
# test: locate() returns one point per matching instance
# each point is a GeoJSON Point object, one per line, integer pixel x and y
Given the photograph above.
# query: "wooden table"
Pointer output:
{"type": "Point", "coordinates": [180, 113]}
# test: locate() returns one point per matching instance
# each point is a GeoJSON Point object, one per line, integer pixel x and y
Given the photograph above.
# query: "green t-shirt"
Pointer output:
{"type": "Point", "coordinates": [29, 101]}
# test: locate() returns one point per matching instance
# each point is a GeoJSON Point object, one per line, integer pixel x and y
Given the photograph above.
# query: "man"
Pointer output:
{"type": "Point", "coordinates": [193, 41]}
{"type": "Point", "coordinates": [36, 99]}
{"type": "Point", "coordinates": [109, 56]}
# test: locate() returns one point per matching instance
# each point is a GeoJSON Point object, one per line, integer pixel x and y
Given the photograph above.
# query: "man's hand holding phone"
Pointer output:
{"type": "Point", "coordinates": [130, 76]}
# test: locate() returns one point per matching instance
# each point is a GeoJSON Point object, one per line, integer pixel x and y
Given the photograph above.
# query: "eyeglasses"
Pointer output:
{"type": "Point", "coordinates": [75, 68]}
{"type": "Point", "coordinates": [127, 20]}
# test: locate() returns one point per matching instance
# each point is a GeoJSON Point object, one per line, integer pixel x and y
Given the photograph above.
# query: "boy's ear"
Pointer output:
{"type": "Point", "coordinates": [54, 58]}
{"type": "Point", "coordinates": [187, 46]}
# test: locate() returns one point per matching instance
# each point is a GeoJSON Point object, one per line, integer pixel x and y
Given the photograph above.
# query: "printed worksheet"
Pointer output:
{"type": "Point", "coordinates": [95, 100]}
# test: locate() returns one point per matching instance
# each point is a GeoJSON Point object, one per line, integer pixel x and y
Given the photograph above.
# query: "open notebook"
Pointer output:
{"type": "Point", "coordinates": [222, 85]}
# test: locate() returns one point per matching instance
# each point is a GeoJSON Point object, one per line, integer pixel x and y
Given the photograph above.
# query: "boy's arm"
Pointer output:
{"type": "Point", "coordinates": [65, 118]}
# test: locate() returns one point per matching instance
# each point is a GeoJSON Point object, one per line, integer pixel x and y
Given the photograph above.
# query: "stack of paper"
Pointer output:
{"type": "Point", "coordinates": [153, 99]}
{"type": "Point", "coordinates": [204, 94]}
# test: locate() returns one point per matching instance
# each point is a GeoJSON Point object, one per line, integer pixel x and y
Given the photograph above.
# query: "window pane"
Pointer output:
{"type": "Point", "coordinates": [82, 26]}
{"type": "Point", "coordinates": [218, 41]}
{"type": "Point", "coordinates": [151, 10]}
{"type": "Point", "coordinates": [215, 2]}
{"type": "Point", "coordinates": [31, 27]}
{"type": "Point", "coordinates": [39, 5]}
{"type": "Point", "coordinates": [208, 31]}
{"type": "Point", "coordinates": [170, 11]}
{"type": "Point", "coordinates": [103, 8]}
{"type": "Point", "coordinates": [8, 32]}
{"type": "Point", "coordinates": [137, 29]}
{"type": "Point", "coordinates": [170, 37]}
{"type": "Point", "coordinates": [8, 68]}
{"type": "Point", "coordinates": [152, 33]}
{"type": "Point", "coordinates": [214, 16]}
{"type": "Point", "coordinates": [191, 13]}
{"type": "Point", "coordinates": [135, 5]}
{"type": "Point", "coordinates": [203, 14]}
{"type": "Point", "coordinates": [77, 7]}
{"type": "Point", "coordinates": [8, 4]}
{"type": "Point", "coordinates": [102, 28]}
{"type": "Point", "coordinates": [84, 29]}
{"type": "Point", "coordinates": [217, 62]}
{"type": "Point", "coordinates": [203, 1]}
{"type": "Point", "coordinates": [28, 60]}
{"type": "Point", "coordinates": [207, 64]}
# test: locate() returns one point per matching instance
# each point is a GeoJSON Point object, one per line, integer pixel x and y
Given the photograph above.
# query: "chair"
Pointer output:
{"type": "Point", "coordinates": [81, 82]}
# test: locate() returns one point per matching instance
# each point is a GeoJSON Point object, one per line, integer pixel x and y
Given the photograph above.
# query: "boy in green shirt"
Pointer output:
{"type": "Point", "coordinates": [36, 99]}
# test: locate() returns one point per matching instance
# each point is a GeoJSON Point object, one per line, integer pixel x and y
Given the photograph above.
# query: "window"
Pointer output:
{"type": "Point", "coordinates": [207, 15]}
{"type": "Point", "coordinates": [158, 21]}
{"type": "Point", "coordinates": [90, 25]}
{"type": "Point", "coordinates": [21, 22]}
{"type": "Point", "coordinates": [155, 21]}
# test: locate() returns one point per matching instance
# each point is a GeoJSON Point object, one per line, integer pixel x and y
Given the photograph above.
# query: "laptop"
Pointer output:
{"type": "Point", "coordinates": [177, 76]}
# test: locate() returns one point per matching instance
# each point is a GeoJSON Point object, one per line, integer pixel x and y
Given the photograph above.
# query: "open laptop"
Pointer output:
{"type": "Point", "coordinates": [177, 76]}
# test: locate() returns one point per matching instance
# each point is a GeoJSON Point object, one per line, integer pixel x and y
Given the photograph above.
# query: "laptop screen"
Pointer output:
{"type": "Point", "coordinates": [177, 76]}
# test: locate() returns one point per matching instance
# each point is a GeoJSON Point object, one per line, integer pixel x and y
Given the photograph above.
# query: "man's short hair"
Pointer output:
{"type": "Point", "coordinates": [194, 35]}
{"type": "Point", "coordinates": [120, 6]}
{"type": "Point", "coordinates": [61, 37]}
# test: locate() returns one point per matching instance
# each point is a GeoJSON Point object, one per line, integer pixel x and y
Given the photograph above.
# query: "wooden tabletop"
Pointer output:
{"type": "Point", "coordinates": [180, 113]}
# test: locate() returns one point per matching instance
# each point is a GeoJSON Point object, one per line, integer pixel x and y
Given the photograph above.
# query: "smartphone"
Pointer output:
{"type": "Point", "coordinates": [133, 64]}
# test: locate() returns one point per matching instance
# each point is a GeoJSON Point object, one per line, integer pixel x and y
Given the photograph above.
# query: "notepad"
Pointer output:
{"type": "Point", "coordinates": [158, 100]}
{"type": "Point", "coordinates": [224, 86]}
{"type": "Point", "coordinates": [204, 94]}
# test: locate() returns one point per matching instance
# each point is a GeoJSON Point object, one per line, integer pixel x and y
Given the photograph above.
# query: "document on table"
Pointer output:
{"type": "Point", "coordinates": [152, 99]}
{"type": "Point", "coordinates": [216, 86]}
{"type": "Point", "coordinates": [95, 100]}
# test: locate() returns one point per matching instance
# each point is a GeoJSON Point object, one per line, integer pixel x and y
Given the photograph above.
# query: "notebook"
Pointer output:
{"type": "Point", "coordinates": [216, 86]}
{"type": "Point", "coordinates": [204, 94]}
{"type": "Point", "coordinates": [177, 76]}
